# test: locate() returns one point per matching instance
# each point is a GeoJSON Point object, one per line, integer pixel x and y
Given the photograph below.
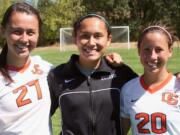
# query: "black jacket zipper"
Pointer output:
{"type": "Point", "coordinates": [92, 117]}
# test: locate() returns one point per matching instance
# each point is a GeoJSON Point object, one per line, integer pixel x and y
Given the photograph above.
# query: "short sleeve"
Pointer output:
{"type": "Point", "coordinates": [123, 103]}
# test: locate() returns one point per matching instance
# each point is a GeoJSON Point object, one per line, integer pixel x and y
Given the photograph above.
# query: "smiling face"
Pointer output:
{"type": "Point", "coordinates": [92, 39]}
{"type": "Point", "coordinates": [21, 34]}
{"type": "Point", "coordinates": [154, 52]}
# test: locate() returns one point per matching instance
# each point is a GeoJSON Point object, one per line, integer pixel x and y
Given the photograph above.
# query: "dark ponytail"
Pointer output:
{"type": "Point", "coordinates": [3, 69]}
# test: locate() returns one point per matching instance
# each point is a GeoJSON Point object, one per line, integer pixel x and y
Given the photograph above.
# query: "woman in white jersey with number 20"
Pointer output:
{"type": "Point", "coordinates": [24, 94]}
{"type": "Point", "coordinates": [151, 103]}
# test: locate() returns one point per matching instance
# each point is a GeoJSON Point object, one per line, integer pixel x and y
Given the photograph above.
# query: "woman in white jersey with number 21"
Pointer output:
{"type": "Point", "coordinates": [151, 103]}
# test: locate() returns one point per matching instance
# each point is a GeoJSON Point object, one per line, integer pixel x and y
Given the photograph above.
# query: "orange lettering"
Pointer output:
{"type": "Point", "coordinates": [21, 101]}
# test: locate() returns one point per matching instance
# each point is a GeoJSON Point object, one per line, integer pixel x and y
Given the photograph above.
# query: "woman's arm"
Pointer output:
{"type": "Point", "coordinates": [125, 123]}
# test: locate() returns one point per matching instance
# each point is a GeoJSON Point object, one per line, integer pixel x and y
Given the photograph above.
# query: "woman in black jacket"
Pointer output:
{"type": "Point", "coordinates": [87, 88]}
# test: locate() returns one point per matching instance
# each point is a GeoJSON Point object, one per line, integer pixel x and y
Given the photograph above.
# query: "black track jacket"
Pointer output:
{"type": "Point", "coordinates": [89, 105]}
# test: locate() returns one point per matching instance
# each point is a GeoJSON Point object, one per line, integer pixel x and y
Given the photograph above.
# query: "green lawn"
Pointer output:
{"type": "Point", "coordinates": [130, 57]}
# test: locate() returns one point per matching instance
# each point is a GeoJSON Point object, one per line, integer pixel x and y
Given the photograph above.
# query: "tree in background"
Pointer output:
{"type": "Point", "coordinates": [55, 15]}
{"type": "Point", "coordinates": [135, 13]}
{"type": "Point", "coordinates": [4, 5]}
{"type": "Point", "coordinates": [144, 12]}
{"type": "Point", "coordinates": [175, 14]}
{"type": "Point", "coordinates": [116, 11]}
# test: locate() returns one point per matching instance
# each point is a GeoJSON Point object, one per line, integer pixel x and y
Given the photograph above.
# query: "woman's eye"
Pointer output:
{"type": "Point", "coordinates": [146, 49]}
{"type": "Point", "coordinates": [17, 32]}
{"type": "Point", "coordinates": [85, 36]}
{"type": "Point", "coordinates": [98, 35]}
{"type": "Point", "coordinates": [30, 33]}
{"type": "Point", "coordinates": [158, 50]}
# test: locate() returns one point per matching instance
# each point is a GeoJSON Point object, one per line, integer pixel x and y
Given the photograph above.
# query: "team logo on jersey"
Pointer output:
{"type": "Point", "coordinates": [134, 100]}
{"type": "Point", "coordinates": [68, 81]}
{"type": "Point", "coordinates": [37, 70]}
{"type": "Point", "coordinates": [170, 98]}
{"type": "Point", "coordinates": [109, 77]}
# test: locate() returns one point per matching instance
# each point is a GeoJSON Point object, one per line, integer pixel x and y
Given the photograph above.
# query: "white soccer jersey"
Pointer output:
{"type": "Point", "coordinates": [152, 111]}
{"type": "Point", "coordinates": [25, 103]}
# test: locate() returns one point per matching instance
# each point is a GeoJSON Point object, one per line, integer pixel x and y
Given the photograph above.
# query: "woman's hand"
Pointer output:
{"type": "Point", "coordinates": [114, 59]}
{"type": "Point", "coordinates": [178, 75]}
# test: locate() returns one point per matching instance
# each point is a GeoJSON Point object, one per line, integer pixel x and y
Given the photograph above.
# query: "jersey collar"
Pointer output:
{"type": "Point", "coordinates": [156, 88]}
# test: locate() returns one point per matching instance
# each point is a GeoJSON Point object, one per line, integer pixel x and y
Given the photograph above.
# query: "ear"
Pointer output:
{"type": "Point", "coordinates": [170, 51]}
{"type": "Point", "coordinates": [109, 40]}
{"type": "Point", "coordinates": [138, 48]}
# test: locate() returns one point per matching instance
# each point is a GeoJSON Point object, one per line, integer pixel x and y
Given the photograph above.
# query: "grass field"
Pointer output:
{"type": "Point", "coordinates": [130, 57]}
